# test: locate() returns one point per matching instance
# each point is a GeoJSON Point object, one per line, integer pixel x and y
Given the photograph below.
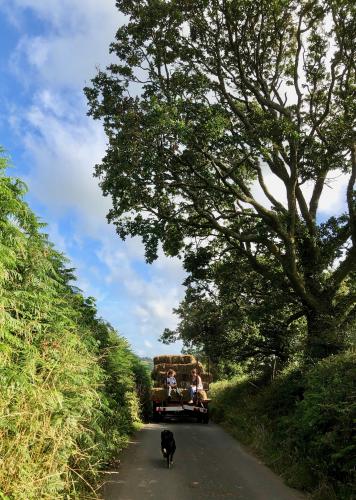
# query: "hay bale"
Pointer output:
{"type": "Point", "coordinates": [205, 377]}
{"type": "Point", "coordinates": [158, 394]}
{"type": "Point", "coordinates": [183, 384]}
{"type": "Point", "coordinates": [161, 394]}
{"type": "Point", "coordinates": [162, 376]}
{"type": "Point", "coordinates": [183, 378]}
{"type": "Point", "coordinates": [174, 358]}
{"type": "Point", "coordinates": [202, 395]}
{"type": "Point", "coordinates": [180, 368]}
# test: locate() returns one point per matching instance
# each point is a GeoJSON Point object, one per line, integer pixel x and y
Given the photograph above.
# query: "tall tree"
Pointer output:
{"type": "Point", "coordinates": [208, 99]}
{"type": "Point", "coordinates": [234, 315]}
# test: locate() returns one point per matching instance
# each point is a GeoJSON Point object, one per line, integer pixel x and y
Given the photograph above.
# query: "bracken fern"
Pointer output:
{"type": "Point", "coordinates": [68, 382]}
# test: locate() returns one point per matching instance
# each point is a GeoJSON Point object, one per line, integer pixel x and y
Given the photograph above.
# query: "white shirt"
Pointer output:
{"type": "Point", "coordinates": [171, 381]}
{"type": "Point", "coordinates": [198, 383]}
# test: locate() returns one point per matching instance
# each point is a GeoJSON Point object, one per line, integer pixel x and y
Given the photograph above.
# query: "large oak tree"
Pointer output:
{"type": "Point", "coordinates": [208, 99]}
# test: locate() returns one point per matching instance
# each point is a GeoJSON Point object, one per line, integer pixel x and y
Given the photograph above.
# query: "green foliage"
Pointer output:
{"type": "Point", "coordinates": [321, 428]}
{"type": "Point", "coordinates": [68, 396]}
{"type": "Point", "coordinates": [210, 104]}
{"type": "Point", "coordinates": [301, 424]}
{"type": "Point", "coordinates": [234, 315]}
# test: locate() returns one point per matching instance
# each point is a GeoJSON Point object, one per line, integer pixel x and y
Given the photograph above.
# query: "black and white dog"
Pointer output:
{"type": "Point", "coordinates": [168, 446]}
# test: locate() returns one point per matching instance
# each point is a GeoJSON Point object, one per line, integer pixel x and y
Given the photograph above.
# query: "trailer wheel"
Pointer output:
{"type": "Point", "coordinates": [206, 418]}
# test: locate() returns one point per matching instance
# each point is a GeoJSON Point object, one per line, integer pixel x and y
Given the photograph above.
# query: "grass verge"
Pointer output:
{"type": "Point", "coordinates": [301, 425]}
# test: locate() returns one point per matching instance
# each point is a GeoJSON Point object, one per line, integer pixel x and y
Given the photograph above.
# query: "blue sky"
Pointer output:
{"type": "Point", "coordinates": [49, 50]}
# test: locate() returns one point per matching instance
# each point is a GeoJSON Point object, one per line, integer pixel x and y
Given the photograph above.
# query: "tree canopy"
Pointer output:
{"type": "Point", "coordinates": [231, 314]}
{"type": "Point", "coordinates": [207, 101]}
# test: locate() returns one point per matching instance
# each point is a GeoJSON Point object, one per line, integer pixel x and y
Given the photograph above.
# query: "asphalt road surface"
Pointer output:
{"type": "Point", "coordinates": [208, 464]}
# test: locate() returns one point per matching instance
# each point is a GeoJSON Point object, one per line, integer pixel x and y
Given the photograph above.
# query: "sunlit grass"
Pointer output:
{"type": "Point", "coordinates": [68, 399]}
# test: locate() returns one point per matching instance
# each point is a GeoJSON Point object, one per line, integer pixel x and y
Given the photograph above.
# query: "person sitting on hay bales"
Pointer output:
{"type": "Point", "coordinates": [196, 385]}
{"type": "Point", "coordinates": [172, 383]}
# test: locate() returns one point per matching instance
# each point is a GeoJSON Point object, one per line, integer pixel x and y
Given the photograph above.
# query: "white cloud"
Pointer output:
{"type": "Point", "coordinates": [154, 295]}
{"type": "Point", "coordinates": [332, 200]}
{"type": "Point", "coordinates": [76, 41]}
{"type": "Point", "coordinates": [63, 153]}
{"type": "Point", "coordinates": [274, 185]}
{"type": "Point", "coordinates": [62, 146]}
{"type": "Point", "coordinates": [69, 16]}
{"type": "Point", "coordinates": [141, 313]}
{"type": "Point", "coordinates": [53, 103]}
{"type": "Point", "coordinates": [36, 50]}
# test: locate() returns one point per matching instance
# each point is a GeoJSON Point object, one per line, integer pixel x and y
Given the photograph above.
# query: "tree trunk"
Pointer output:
{"type": "Point", "coordinates": [324, 337]}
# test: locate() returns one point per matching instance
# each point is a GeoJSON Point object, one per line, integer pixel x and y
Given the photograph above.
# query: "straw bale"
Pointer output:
{"type": "Point", "coordinates": [184, 377]}
{"type": "Point", "coordinates": [174, 358]}
{"type": "Point", "coordinates": [178, 367]}
{"type": "Point", "coordinates": [182, 384]}
{"type": "Point", "coordinates": [158, 393]}
{"type": "Point", "coordinates": [161, 394]}
{"type": "Point", "coordinates": [202, 395]}
{"type": "Point", "coordinates": [162, 376]}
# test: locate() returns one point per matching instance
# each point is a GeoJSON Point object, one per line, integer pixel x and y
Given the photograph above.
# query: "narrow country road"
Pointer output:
{"type": "Point", "coordinates": [209, 464]}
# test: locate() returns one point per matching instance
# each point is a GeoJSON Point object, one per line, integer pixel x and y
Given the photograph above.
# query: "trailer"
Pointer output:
{"type": "Point", "coordinates": [179, 404]}
{"type": "Point", "coordinates": [164, 409]}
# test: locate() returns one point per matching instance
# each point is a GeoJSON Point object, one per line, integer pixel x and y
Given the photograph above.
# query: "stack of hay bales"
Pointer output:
{"type": "Point", "coordinates": [183, 365]}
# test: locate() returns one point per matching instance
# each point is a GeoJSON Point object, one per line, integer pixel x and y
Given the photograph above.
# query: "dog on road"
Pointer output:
{"type": "Point", "coordinates": [168, 446]}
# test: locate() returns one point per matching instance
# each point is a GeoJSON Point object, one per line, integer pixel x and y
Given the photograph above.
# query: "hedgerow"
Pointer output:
{"type": "Point", "coordinates": [68, 397]}
{"type": "Point", "coordinates": [301, 424]}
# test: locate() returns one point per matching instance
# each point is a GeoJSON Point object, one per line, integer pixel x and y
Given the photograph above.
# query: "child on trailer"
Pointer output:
{"type": "Point", "coordinates": [196, 385]}
{"type": "Point", "coordinates": [172, 383]}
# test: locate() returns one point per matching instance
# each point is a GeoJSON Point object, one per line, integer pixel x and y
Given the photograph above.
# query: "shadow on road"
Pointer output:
{"type": "Point", "coordinates": [209, 464]}
{"type": "Point", "coordinates": [158, 463]}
